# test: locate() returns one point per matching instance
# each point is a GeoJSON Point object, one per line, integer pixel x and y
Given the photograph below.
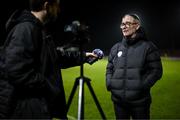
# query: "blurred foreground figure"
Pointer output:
{"type": "Point", "coordinates": [31, 83]}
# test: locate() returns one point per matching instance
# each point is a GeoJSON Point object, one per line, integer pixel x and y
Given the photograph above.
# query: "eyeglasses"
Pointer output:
{"type": "Point", "coordinates": [127, 24]}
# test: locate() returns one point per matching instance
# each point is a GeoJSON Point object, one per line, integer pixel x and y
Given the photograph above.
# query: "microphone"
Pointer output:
{"type": "Point", "coordinates": [99, 54]}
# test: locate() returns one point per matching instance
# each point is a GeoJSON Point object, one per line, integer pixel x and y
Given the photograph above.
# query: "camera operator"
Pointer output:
{"type": "Point", "coordinates": [32, 65]}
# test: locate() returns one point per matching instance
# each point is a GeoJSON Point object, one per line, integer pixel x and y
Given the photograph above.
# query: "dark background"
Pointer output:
{"type": "Point", "coordinates": [161, 20]}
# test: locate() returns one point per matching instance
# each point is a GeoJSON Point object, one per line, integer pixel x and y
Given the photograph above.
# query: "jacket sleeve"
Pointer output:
{"type": "Point", "coordinates": [110, 66]}
{"type": "Point", "coordinates": [20, 63]}
{"type": "Point", "coordinates": [153, 67]}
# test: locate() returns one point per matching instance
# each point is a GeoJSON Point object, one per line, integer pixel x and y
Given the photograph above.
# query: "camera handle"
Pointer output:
{"type": "Point", "coordinates": [80, 81]}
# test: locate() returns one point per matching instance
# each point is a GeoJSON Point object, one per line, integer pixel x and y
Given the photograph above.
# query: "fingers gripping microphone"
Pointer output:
{"type": "Point", "coordinates": [99, 54]}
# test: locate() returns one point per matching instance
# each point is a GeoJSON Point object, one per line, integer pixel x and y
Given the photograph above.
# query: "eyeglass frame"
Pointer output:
{"type": "Point", "coordinates": [128, 24]}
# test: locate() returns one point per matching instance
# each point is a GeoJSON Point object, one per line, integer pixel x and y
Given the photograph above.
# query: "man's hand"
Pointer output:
{"type": "Point", "coordinates": [91, 54]}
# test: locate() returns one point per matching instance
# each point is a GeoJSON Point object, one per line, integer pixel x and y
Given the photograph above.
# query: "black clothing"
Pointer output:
{"type": "Point", "coordinates": [125, 111]}
{"type": "Point", "coordinates": [32, 67]}
{"type": "Point", "coordinates": [134, 65]}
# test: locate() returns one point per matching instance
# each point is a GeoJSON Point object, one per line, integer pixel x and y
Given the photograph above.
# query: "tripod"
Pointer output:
{"type": "Point", "coordinates": [80, 81]}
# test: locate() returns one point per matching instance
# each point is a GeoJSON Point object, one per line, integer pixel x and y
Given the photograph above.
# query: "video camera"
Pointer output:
{"type": "Point", "coordinates": [79, 32]}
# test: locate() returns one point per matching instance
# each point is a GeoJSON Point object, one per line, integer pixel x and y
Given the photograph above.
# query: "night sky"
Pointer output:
{"type": "Point", "coordinates": [161, 20]}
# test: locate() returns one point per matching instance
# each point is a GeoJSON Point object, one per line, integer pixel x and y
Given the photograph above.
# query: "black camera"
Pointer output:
{"type": "Point", "coordinates": [79, 32]}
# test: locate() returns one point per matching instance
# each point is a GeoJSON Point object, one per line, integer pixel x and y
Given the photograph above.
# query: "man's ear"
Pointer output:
{"type": "Point", "coordinates": [138, 26]}
{"type": "Point", "coordinates": [45, 6]}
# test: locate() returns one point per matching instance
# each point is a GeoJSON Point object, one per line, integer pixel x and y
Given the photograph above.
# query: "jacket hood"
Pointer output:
{"type": "Point", "coordinates": [20, 16]}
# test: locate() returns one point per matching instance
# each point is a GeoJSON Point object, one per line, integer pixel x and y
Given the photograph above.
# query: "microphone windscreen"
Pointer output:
{"type": "Point", "coordinates": [99, 53]}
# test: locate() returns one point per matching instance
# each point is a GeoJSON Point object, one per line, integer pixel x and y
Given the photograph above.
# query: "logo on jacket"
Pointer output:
{"type": "Point", "coordinates": [119, 54]}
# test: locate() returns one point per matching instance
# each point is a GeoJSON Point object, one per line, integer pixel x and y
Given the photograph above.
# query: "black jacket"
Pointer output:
{"type": "Point", "coordinates": [32, 67]}
{"type": "Point", "coordinates": [133, 68]}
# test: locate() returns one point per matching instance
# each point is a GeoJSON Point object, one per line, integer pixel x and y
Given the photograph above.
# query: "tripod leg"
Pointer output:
{"type": "Point", "coordinates": [72, 94]}
{"type": "Point", "coordinates": [81, 100]}
{"type": "Point", "coordinates": [96, 100]}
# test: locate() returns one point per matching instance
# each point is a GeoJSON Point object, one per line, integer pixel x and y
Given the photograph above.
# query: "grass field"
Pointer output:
{"type": "Point", "coordinates": [165, 93]}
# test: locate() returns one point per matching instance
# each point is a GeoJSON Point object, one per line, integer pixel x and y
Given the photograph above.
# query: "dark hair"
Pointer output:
{"type": "Point", "coordinates": [37, 5]}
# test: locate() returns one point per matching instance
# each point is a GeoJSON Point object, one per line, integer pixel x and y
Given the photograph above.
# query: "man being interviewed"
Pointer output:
{"type": "Point", "coordinates": [134, 66]}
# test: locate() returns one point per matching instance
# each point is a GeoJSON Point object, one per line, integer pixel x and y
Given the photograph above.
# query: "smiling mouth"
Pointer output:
{"type": "Point", "coordinates": [125, 31]}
